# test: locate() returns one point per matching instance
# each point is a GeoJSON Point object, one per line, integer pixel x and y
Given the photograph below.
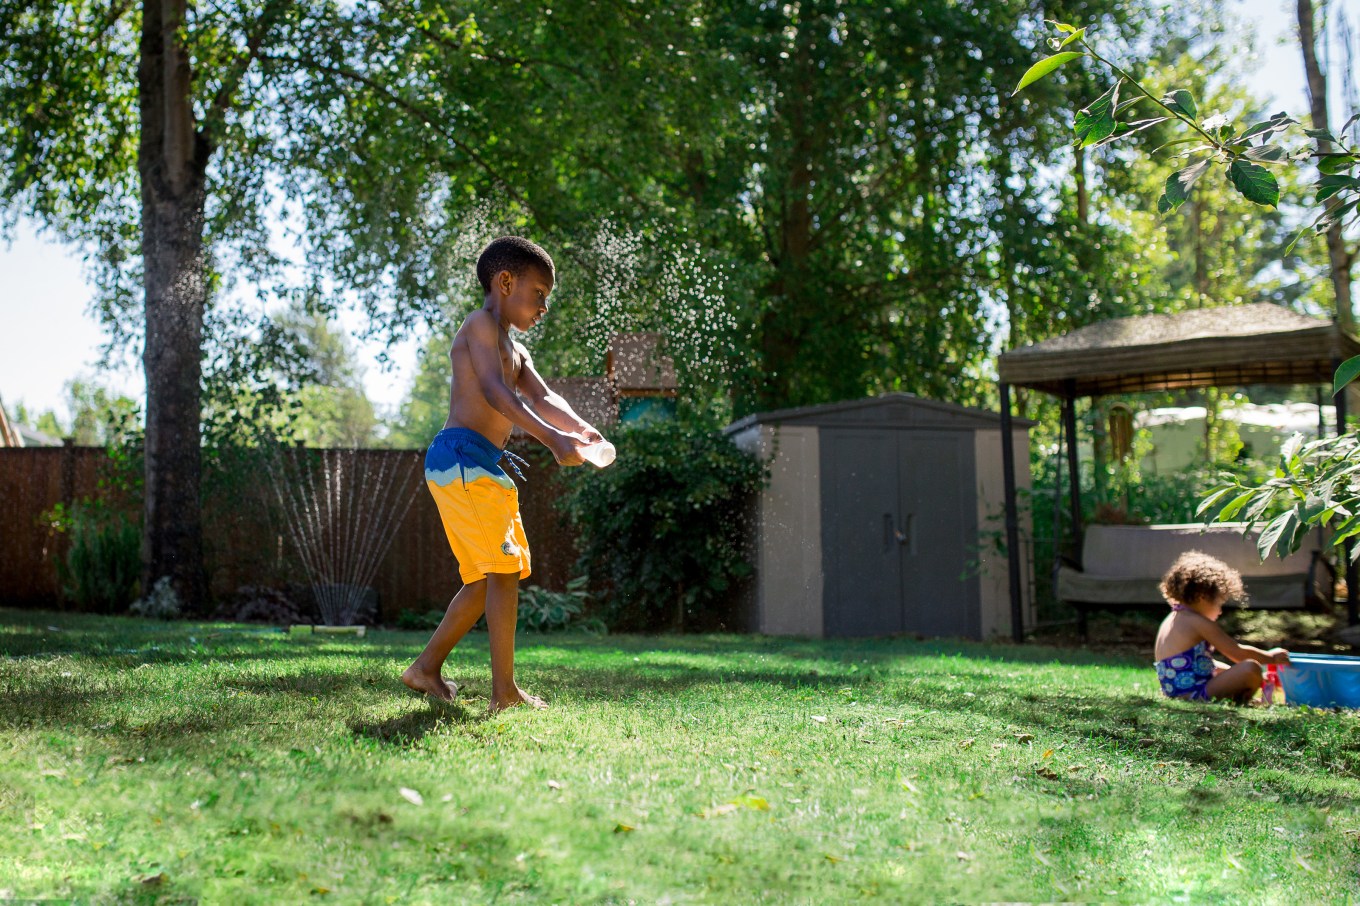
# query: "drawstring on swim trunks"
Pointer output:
{"type": "Point", "coordinates": [515, 462]}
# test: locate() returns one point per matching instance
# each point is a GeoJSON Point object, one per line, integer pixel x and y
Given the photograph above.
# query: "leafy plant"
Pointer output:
{"type": "Point", "coordinates": [1314, 486]}
{"type": "Point", "coordinates": [542, 610]}
{"type": "Point", "coordinates": [263, 604]}
{"type": "Point", "coordinates": [162, 604]}
{"type": "Point", "coordinates": [419, 619]}
{"type": "Point", "coordinates": [664, 529]}
{"type": "Point", "coordinates": [1244, 157]}
{"type": "Point", "coordinates": [102, 565]}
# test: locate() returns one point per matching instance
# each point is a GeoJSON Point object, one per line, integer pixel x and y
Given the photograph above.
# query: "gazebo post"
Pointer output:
{"type": "Point", "coordinates": [1012, 516]}
{"type": "Point", "coordinates": [1352, 608]}
{"type": "Point", "coordinates": [1069, 415]}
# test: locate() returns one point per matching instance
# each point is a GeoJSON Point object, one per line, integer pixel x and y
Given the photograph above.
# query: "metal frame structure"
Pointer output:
{"type": "Point", "coordinates": [1257, 343]}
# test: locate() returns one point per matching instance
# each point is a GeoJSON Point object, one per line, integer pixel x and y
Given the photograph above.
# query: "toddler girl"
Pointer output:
{"type": "Point", "coordinates": [1197, 586]}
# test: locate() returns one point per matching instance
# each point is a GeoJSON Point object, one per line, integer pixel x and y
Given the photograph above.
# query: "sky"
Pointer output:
{"type": "Point", "coordinates": [48, 335]}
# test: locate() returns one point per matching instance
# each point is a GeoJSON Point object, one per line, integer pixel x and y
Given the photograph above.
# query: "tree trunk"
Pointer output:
{"type": "Point", "coordinates": [1201, 257]}
{"type": "Point", "coordinates": [172, 162]}
{"type": "Point", "coordinates": [1337, 256]}
{"type": "Point", "coordinates": [1083, 194]}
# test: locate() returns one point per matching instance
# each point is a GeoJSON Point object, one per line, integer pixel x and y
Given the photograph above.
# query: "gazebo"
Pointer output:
{"type": "Point", "coordinates": [1257, 343]}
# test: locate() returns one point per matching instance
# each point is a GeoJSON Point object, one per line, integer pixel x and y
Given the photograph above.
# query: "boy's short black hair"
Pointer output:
{"type": "Point", "coordinates": [513, 254]}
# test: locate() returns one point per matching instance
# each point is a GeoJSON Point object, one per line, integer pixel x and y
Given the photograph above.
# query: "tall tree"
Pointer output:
{"type": "Point", "coordinates": [160, 135]}
{"type": "Point", "coordinates": [833, 157]}
{"type": "Point", "coordinates": [1340, 258]}
{"type": "Point", "coordinates": [112, 115]}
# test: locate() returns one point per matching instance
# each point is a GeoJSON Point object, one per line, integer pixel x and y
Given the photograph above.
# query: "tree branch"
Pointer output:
{"type": "Point", "coordinates": [231, 82]}
{"type": "Point", "coordinates": [410, 107]}
{"type": "Point", "coordinates": [458, 47]}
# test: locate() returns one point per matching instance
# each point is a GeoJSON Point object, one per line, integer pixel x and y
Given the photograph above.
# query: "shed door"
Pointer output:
{"type": "Point", "coordinates": [898, 529]}
{"type": "Point", "coordinates": [860, 553]}
{"type": "Point", "coordinates": [940, 524]}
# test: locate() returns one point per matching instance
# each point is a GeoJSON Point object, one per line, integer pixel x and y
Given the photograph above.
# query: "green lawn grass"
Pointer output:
{"type": "Point", "coordinates": [150, 762]}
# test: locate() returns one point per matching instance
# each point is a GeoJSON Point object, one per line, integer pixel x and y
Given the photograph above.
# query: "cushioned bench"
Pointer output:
{"type": "Point", "coordinates": [1122, 566]}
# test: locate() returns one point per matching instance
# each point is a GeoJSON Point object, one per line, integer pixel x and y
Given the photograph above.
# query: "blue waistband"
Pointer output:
{"type": "Point", "coordinates": [472, 437]}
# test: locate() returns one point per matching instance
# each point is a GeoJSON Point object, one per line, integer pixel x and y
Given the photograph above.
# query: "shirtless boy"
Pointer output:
{"type": "Point", "coordinates": [495, 387]}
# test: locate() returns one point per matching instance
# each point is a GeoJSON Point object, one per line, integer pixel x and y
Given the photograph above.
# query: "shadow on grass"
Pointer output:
{"type": "Point", "coordinates": [405, 730]}
{"type": "Point", "coordinates": [929, 675]}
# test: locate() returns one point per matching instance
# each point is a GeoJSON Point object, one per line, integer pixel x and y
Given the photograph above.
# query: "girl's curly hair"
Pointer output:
{"type": "Point", "coordinates": [1195, 576]}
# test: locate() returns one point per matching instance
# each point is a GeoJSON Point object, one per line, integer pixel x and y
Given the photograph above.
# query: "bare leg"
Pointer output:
{"type": "Point", "coordinates": [502, 611]}
{"type": "Point", "coordinates": [1239, 682]}
{"type": "Point", "coordinates": [464, 611]}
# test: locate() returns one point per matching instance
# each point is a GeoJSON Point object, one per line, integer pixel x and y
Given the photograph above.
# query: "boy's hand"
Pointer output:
{"type": "Point", "coordinates": [1278, 656]}
{"type": "Point", "coordinates": [565, 450]}
{"type": "Point", "coordinates": [590, 436]}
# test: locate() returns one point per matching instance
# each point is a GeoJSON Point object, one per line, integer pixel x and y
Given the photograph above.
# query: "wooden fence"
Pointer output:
{"type": "Point", "coordinates": [245, 540]}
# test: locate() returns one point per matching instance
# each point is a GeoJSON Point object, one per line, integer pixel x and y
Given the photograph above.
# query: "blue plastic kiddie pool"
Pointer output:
{"type": "Point", "coordinates": [1321, 680]}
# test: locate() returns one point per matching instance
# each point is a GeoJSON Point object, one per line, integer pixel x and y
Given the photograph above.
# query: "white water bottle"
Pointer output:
{"type": "Point", "coordinates": [599, 454]}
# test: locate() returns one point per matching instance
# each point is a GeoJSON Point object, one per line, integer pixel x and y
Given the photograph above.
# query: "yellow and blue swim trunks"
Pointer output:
{"type": "Point", "coordinates": [478, 504]}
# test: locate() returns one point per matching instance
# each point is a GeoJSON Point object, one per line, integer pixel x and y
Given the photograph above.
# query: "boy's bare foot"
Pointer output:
{"type": "Point", "coordinates": [429, 683]}
{"type": "Point", "coordinates": [515, 699]}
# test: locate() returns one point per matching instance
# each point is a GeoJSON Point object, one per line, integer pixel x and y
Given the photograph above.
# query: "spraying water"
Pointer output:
{"type": "Point", "coordinates": [342, 508]}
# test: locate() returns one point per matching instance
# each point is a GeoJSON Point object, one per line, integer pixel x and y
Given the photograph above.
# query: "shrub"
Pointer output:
{"type": "Point", "coordinates": [260, 604]}
{"type": "Point", "coordinates": [162, 604]}
{"type": "Point", "coordinates": [102, 566]}
{"type": "Point", "coordinates": [416, 619]}
{"type": "Point", "coordinates": [664, 530]}
{"type": "Point", "coordinates": [541, 610]}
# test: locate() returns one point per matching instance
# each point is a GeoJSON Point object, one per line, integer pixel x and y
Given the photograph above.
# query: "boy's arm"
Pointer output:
{"type": "Point", "coordinates": [1235, 651]}
{"type": "Point", "coordinates": [549, 406]}
{"type": "Point", "coordinates": [483, 343]}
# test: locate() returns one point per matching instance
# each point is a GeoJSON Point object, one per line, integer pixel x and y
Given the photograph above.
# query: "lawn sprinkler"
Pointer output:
{"type": "Point", "coordinates": [318, 629]}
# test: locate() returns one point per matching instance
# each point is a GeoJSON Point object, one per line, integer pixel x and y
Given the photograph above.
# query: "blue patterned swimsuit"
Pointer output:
{"type": "Point", "coordinates": [1186, 674]}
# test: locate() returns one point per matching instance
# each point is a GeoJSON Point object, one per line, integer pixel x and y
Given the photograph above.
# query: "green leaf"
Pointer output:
{"type": "Point", "coordinates": [1074, 36]}
{"type": "Point", "coordinates": [1181, 101]}
{"type": "Point", "coordinates": [1328, 186]}
{"type": "Point", "coordinates": [1123, 129]}
{"type": "Point", "coordinates": [1332, 164]}
{"type": "Point", "coordinates": [1338, 214]}
{"type": "Point", "coordinates": [1276, 123]}
{"type": "Point", "coordinates": [1321, 135]}
{"type": "Point", "coordinates": [1349, 371]}
{"type": "Point", "coordinates": [1215, 496]}
{"type": "Point", "coordinates": [1290, 450]}
{"type": "Point", "coordinates": [1178, 185]}
{"type": "Point", "coordinates": [1096, 121]}
{"type": "Point", "coordinates": [1254, 182]}
{"type": "Point", "coordinates": [1044, 67]}
{"type": "Point", "coordinates": [1280, 534]}
{"type": "Point", "coordinates": [1234, 506]}
{"type": "Point", "coordinates": [1270, 153]}
{"type": "Point", "coordinates": [1258, 507]}
{"type": "Point", "coordinates": [1348, 529]}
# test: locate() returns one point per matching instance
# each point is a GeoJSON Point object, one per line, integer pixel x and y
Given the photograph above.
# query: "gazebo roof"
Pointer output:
{"type": "Point", "coordinates": [1257, 343]}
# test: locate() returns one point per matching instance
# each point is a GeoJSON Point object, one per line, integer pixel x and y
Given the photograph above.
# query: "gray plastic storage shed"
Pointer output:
{"type": "Point", "coordinates": [875, 516]}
